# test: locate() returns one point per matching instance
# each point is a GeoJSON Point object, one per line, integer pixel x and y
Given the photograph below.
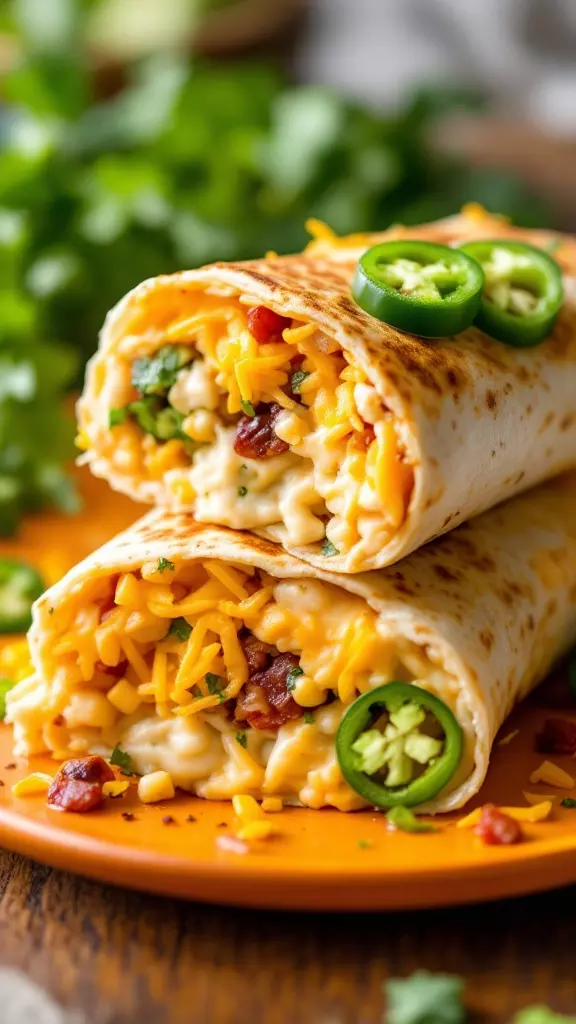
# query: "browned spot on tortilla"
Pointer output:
{"type": "Point", "coordinates": [551, 607]}
{"type": "Point", "coordinates": [508, 388]}
{"type": "Point", "coordinates": [530, 623]}
{"type": "Point", "coordinates": [483, 562]}
{"type": "Point", "coordinates": [433, 462]}
{"type": "Point", "coordinates": [529, 410]}
{"type": "Point", "coordinates": [548, 419]}
{"type": "Point", "coordinates": [486, 638]}
{"type": "Point", "coordinates": [444, 573]}
{"type": "Point", "coordinates": [491, 400]}
{"type": "Point", "coordinates": [567, 421]}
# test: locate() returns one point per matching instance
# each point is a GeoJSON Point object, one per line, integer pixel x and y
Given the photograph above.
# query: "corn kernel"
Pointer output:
{"type": "Point", "coordinates": [33, 784]}
{"type": "Point", "coordinates": [115, 788]}
{"type": "Point", "coordinates": [256, 830]}
{"type": "Point", "coordinates": [247, 809]}
{"type": "Point", "coordinates": [124, 697]}
{"type": "Point", "coordinates": [552, 775]}
{"type": "Point", "coordinates": [154, 787]}
{"type": "Point", "coordinates": [272, 804]}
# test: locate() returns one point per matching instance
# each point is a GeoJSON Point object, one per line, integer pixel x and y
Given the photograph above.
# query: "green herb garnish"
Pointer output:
{"type": "Point", "coordinates": [247, 408]}
{"type": "Point", "coordinates": [242, 739]}
{"type": "Point", "coordinates": [5, 687]}
{"type": "Point", "coordinates": [568, 802]}
{"type": "Point", "coordinates": [180, 629]}
{"type": "Point", "coordinates": [328, 549]}
{"type": "Point", "coordinates": [242, 492]}
{"type": "Point", "coordinates": [292, 677]}
{"type": "Point", "coordinates": [364, 844]}
{"type": "Point", "coordinates": [216, 685]}
{"type": "Point", "coordinates": [405, 821]}
{"type": "Point", "coordinates": [117, 416]}
{"type": "Point", "coordinates": [155, 375]}
{"type": "Point", "coordinates": [309, 718]}
{"type": "Point", "coordinates": [541, 1015]}
{"type": "Point", "coordinates": [123, 761]}
{"type": "Point", "coordinates": [163, 564]}
{"type": "Point", "coordinates": [297, 379]}
{"type": "Point", "coordinates": [425, 998]}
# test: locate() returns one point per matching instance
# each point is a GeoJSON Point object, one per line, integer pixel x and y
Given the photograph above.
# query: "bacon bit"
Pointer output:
{"type": "Point", "coordinates": [498, 829]}
{"type": "Point", "coordinates": [508, 738]}
{"type": "Point", "coordinates": [168, 820]}
{"type": "Point", "coordinates": [128, 816]}
{"type": "Point", "coordinates": [551, 775]}
{"type": "Point", "coordinates": [191, 818]}
{"type": "Point", "coordinates": [10, 766]}
{"type": "Point", "coordinates": [255, 435]}
{"type": "Point", "coordinates": [78, 785]}
{"type": "Point", "coordinates": [256, 652]}
{"type": "Point", "coordinates": [265, 702]}
{"type": "Point", "coordinates": [230, 844]}
{"type": "Point", "coordinates": [557, 737]}
{"type": "Point", "coordinates": [265, 325]}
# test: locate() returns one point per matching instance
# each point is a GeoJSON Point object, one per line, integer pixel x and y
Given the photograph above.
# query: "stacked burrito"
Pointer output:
{"type": "Point", "coordinates": [355, 566]}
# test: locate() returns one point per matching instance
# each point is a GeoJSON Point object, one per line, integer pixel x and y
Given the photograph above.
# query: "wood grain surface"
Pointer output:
{"type": "Point", "coordinates": [115, 957]}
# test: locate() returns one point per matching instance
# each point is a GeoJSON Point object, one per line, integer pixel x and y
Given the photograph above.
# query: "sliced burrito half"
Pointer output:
{"type": "Point", "coordinates": [259, 396]}
{"type": "Point", "coordinates": [222, 659]}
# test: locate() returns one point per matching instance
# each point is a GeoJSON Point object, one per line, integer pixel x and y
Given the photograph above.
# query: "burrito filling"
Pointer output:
{"type": "Point", "coordinates": [253, 420]}
{"type": "Point", "coordinates": [234, 682]}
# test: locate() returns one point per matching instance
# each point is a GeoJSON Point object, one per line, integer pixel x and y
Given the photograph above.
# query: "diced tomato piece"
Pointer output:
{"type": "Point", "coordinates": [498, 829]}
{"type": "Point", "coordinates": [265, 325]}
{"type": "Point", "coordinates": [557, 737]}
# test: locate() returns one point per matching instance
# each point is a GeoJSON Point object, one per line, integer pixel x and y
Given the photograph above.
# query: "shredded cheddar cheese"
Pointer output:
{"type": "Point", "coordinates": [539, 812]}
{"type": "Point", "coordinates": [32, 785]}
{"type": "Point", "coordinates": [551, 775]}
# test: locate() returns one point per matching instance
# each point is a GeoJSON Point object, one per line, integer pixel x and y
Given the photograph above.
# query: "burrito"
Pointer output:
{"type": "Point", "coordinates": [221, 659]}
{"type": "Point", "coordinates": [260, 396]}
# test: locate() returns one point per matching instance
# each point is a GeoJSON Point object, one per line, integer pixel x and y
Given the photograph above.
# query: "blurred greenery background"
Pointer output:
{"type": "Point", "coordinates": [118, 163]}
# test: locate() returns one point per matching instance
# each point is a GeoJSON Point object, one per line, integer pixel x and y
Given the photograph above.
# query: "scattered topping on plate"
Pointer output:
{"type": "Point", "coordinates": [122, 760]}
{"type": "Point", "coordinates": [496, 828]}
{"type": "Point", "coordinates": [32, 784]}
{"type": "Point", "coordinates": [403, 819]}
{"type": "Point", "coordinates": [115, 789]}
{"type": "Point", "coordinates": [508, 738]}
{"type": "Point", "coordinates": [256, 830]}
{"type": "Point", "coordinates": [568, 802]}
{"type": "Point", "coordinates": [534, 799]}
{"type": "Point", "coordinates": [532, 814]}
{"type": "Point", "coordinates": [558, 736]}
{"type": "Point", "coordinates": [552, 775]}
{"type": "Point", "coordinates": [154, 787]}
{"type": "Point", "coordinates": [78, 786]}
{"type": "Point", "coordinates": [272, 804]}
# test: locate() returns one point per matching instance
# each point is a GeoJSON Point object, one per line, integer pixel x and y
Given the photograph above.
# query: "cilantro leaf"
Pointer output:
{"type": "Point", "coordinates": [297, 380]}
{"type": "Point", "coordinates": [123, 761]}
{"type": "Point", "coordinates": [292, 677]}
{"type": "Point", "coordinates": [425, 998]}
{"type": "Point", "coordinates": [163, 564]}
{"type": "Point", "coordinates": [155, 375]}
{"type": "Point", "coordinates": [406, 821]}
{"type": "Point", "coordinates": [180, 629]}
{"type": "Point", "coordinates": [364, 844]}
{"type": "Point", "coordinates": [568, 802]}
{"type": "Point", "coordinates": [118, 416]}
{"type": "Point", "coordinates": [216, 685]}
{"type": "Point", "coordinates": [309, 718]}
{"type": "Point", "coordinates": [328, 549]}
{"type": "Point", "coordinates": [247, 408]}
{"type": "Point", "coordinates": [5, 686]}
{"type": "Point", "coordinates": [242, 739]}
{"type": "Point", "coordinates": [242, 492]}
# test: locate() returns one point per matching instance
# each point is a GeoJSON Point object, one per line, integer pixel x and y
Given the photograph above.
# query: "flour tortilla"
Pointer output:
{"type": "Point", "coordinates": [495, 601]}
{"type": "Point", "coordinates": [481, 421]}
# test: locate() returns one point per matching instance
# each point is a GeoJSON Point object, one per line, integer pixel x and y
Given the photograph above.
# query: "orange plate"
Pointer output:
{"type": "Point", "coordinates": [320, 859]}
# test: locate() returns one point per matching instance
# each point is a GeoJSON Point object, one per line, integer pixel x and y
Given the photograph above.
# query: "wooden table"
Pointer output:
{"type": "Point", "coordinates": [118, 957]}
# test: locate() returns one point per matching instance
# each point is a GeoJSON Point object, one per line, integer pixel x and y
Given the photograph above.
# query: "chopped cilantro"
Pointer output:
{"type": "Point", "coordinates": [541, 1015]}
{"type": "Point", "coordinates": [122, 760]}
{"type": "Point", "coordinates": [425, 998]}
{"type": "Point", "coordinates": [169, 423]}
{"type": "Point", "coordinates": [328, 549]}
{"type": "Point", "coordinates": [309, 718]}
{"type": "Point", "coordinates": [568, 802]}
{"type": "Point", "coordinates": [247, 408]}
{"type": "Point", "coordinates": [297, 380]}
{"type": "Point", "coordinates": [403, 819]}
{"type": "Point", "coordinates": [216, 685]}
{"type": "Point", "coordinates": [191, 819]}
{"type": "Point", "coordinates": [292, 677]}
{"type": "Point", "coordinates": [180, 629]}
{"type": "Point", "coordinates": [242, 492]}
{"type": "Point", "coordinates": [552, 245]}
{"type": "Point", "coordinates": [5, 686]}
{"type": "Point", "coordinates": [364, 844]}
{"type": "Point", "coordinates": [117, 416]}
{"type": "Point", "coordinates": [155, 375]}
{"type": "Point", "coordinates": [242, 739]}
{"type": "Point", "coordinates": [163, 564]}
